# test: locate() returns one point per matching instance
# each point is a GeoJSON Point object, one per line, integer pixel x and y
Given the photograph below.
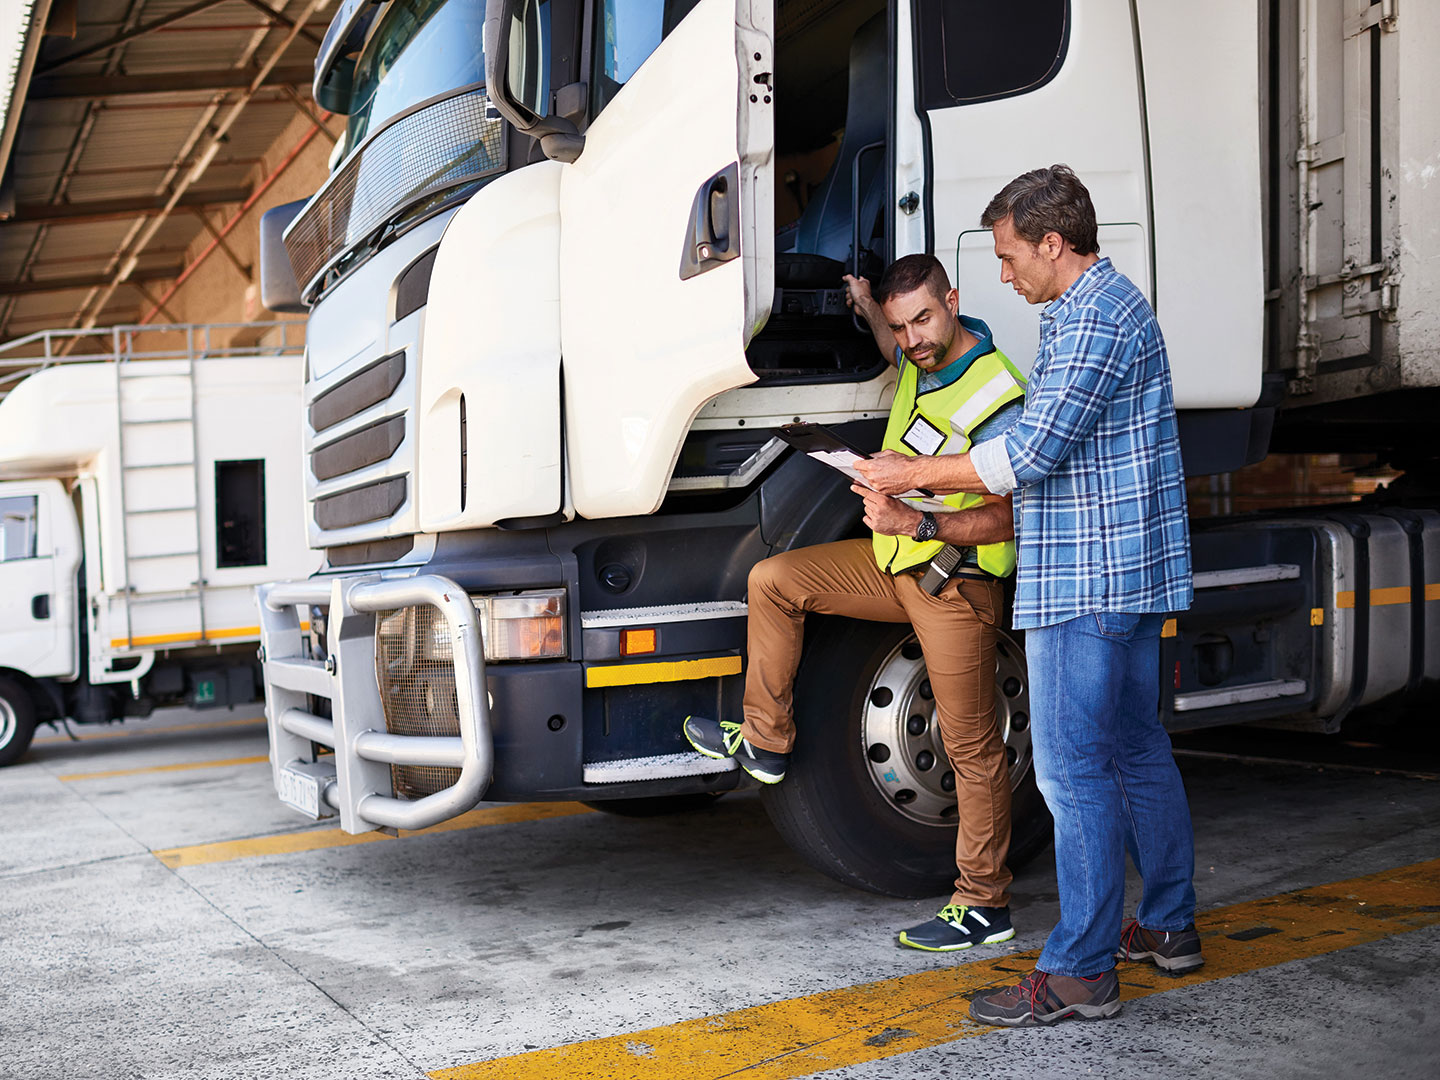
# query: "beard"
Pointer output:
{"type": "Point", "coordinates": [930, 353]}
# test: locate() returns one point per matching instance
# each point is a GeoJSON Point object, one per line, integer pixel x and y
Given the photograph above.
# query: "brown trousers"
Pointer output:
{"type": "Point", "coordinates": [957, 633]}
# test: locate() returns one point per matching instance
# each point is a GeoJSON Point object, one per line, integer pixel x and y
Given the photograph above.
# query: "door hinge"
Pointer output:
{"type": "Point", "coordinates": [1382, 15]}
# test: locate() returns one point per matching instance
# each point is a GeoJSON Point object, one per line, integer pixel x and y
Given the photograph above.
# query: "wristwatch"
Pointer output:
{"type": "Point", "coordinates": [927, 528]}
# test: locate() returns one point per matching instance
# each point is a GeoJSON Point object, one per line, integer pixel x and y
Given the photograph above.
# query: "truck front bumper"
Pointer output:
{"type": "Point", "coordinates": [356, 781]}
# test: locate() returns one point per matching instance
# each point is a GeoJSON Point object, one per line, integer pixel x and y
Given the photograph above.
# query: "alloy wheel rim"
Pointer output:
{"type": "Point", "coordinates": [9, 722]}
{"type": "Point", "coordinates": [904, 754]}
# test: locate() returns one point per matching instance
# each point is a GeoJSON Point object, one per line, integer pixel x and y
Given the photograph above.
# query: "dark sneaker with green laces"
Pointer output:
{"type": "Point", "coordinates": [1173, 951]}
{"type": "Point", "coordinates": [1042, 998]}
{"type": "Point", "coordinates": [722, 739]}
{"type": "Point", "coordinates": [959, 926]}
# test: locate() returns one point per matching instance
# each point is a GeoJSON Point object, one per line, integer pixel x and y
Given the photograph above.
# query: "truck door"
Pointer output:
{"type": "Point", "coordinates": [1003, 89]}
{"type": "Point", "coordinates": [666, 237]}
{"type": "Point", "coordinates": [39, 554]}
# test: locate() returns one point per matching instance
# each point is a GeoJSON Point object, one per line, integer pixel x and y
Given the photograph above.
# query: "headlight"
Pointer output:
{"type": "Point", "coordinates": [526, 626]}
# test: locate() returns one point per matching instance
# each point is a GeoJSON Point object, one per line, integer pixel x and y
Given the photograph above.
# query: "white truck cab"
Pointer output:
{"type": "Point", "coordinates": [40, 552]}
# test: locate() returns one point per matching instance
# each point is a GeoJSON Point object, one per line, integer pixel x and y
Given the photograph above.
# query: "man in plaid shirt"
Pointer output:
{"type": "Point", "coordinates": [1104, 553]}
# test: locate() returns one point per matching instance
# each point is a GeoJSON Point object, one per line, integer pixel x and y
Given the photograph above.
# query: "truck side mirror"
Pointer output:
{"type": "Point", "coordinates": [279, 291]}
{"type": "Point", "coordinates": [335, 63]}
{"type": "Point", "coordinates": [517, 75]}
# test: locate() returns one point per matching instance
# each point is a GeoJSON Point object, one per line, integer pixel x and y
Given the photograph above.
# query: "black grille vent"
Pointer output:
{"type": "Point", "coordinates": [372, 443]}
{"type": "Point", "coordinates": [412, 288]}
{"type": "Point", "coordinates": [369, 386]}
{"type": "Point", "coordinates": [370, 502]}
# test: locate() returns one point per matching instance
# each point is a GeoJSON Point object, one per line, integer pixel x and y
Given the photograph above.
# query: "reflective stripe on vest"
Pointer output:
{"type": "Point", "coordinates": [940, 422]}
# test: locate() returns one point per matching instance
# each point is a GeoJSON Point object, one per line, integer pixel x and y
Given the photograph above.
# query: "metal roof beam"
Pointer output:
{"type": "Point", "coordinates": [110, 209]}
{"type": "Point", "coordinates": [277, 19]}
{"type": "Point", "coordinates": [70, 87]}
{"type": "Point", "coordinates": [128, 35]}
{"type": "Point", "coordinates": [92, 281]}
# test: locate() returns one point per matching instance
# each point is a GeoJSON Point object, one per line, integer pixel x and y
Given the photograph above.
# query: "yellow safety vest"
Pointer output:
{"type": "Point", "coordinates": [940, 422]}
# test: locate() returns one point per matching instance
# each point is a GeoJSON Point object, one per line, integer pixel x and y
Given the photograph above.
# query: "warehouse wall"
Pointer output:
{"type": "Point", "coordinates": [218, 291]}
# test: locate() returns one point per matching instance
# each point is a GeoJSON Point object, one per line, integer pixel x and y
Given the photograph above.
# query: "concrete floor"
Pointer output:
{"type": "Point", "coordinates": [395, 958]}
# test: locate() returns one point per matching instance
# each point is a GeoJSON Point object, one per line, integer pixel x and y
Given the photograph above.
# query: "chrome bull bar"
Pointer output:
{"type": "Point", "coordinates": [364, 750]}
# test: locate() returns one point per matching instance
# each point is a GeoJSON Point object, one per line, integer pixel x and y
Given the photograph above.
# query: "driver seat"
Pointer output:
{"type": "Point", "coordinates": [824, 233]}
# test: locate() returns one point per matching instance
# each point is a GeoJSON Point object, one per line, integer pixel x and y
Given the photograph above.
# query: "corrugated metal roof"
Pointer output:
{"type": "Point", "coordinates": [108, 157]}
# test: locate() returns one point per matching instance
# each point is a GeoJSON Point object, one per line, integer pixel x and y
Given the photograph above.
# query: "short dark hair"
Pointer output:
{"type": "Point", "coordinates": [1045, 201]}
{"type": "Point", "coordinates": [907, 274]}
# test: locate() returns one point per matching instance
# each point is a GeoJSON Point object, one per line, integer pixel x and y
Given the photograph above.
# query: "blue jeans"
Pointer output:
{"type": "Point", "coordinates": [1104, 764]}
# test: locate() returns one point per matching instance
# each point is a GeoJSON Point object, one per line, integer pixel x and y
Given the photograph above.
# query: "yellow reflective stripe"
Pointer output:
{"type": "Point", "coordinates": [192, 635]}
{"type": "Point", "coordinates": [1432, 592]}
{"type": "Point", "coordinates": [1170, 629]}
{"type": "Point", "coordinates": [806, 1035]}
{"type": "Point", "coordinates": [668, 671]}
{"type": "Point", "coordinates": [156, 730]}
{"type": "Point", "coordinates": [319, 839]}
{"type": "Point", "coordinates": [1394, 594]}
{"type": "Point", "coordinates": [179, 767]}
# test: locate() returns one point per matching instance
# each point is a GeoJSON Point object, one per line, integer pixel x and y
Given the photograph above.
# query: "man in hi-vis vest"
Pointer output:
{"type": "Point", "coordinates": [940, 572]}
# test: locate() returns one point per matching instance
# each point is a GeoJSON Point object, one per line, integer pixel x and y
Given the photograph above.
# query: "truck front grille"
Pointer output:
{"type": "Point", "coordinates": [416, 673]}
{"type": "Point", "coordinates": [345, 459]}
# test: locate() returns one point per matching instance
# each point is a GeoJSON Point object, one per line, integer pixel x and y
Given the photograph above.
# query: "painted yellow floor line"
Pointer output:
{"type": "Point", "coordinates": [803, 1036]}
{"type": "Point", "coordinates": [182, 766]}
{"type": "Point", "coordinates": [139, 728]}
{"type": "Point", "coordinates": [317, 839]}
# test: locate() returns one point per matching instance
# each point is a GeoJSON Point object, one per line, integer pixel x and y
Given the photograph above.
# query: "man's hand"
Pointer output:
{"type": "Point", "coordinates": [857, 293]}
{"type": "Point", "coordinates": [859, 298]}
{"type": "Point", "coordinates": [888, 472]}
{"type": "Point", "coordinates": [887, 516]}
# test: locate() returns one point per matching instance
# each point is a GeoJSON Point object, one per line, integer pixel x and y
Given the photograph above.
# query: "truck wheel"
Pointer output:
{"type": "Point", "coordinates": [17, 721]}
{"type": "Point", "coordinates": [837, 808]}
{"type": "Point", "coordinates": [657, 805]}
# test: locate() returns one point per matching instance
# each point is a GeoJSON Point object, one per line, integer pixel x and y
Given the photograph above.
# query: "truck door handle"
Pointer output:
{"type": "Point", "coordinates": [40, 606]}
{"type": "Point", "coordinates": [713, 235]}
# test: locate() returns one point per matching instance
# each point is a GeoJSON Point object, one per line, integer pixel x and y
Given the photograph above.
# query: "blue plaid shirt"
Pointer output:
{"type": "Point", "coordinates": [1100, 519]}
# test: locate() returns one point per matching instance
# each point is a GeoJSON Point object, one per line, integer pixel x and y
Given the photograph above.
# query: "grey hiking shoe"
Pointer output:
{"type": "Point", "coordinates": [959, 926]}
{"type": "Point", "coordinates": [1042, 998]}
{"type": "Point", "coordinates": [1173, 951]}
{"type": "Point", "coordinates": [722, 739]}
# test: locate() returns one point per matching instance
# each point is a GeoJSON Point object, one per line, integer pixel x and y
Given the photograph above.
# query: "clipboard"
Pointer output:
{"type": "Point", "coordinates": [830, 448]}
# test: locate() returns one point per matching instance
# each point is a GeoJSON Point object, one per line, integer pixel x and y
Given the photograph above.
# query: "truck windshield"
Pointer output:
{"type": "Point", "coordinates": [419, 48]}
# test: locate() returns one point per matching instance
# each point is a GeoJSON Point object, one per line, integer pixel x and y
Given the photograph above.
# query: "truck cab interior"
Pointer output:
{"type": "Point", "coordinates": [831, 118]}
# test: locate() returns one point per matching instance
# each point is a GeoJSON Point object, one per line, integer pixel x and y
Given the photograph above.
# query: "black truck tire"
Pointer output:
{"type": "Point", "coordinates": [17, 721]}
{"type": "Point", "coordinates": [863, 710]}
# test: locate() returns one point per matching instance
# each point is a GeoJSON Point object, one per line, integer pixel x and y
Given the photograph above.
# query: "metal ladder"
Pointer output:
{"type": "Point", "coordinates": [186, 470]}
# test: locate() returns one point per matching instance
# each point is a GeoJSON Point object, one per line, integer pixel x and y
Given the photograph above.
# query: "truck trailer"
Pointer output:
{"type": "Point", "coordinates": [562, 297]}
{"type": "Point", "coordinates": [144, 493]}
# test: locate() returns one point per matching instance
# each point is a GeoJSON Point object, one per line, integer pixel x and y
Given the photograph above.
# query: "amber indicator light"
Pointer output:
{"type": "Point", "coordinates": [637, 642]}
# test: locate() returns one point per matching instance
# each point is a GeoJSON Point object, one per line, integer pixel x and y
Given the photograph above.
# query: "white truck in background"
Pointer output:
{"type": "Point", "coordinates": [143, 495]}
{"type": "Point", "coordinates": [559, 304]}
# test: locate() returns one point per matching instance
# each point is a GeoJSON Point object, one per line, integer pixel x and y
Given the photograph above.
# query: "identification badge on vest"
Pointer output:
{"type": "Point", "coordinates": [922, 436]}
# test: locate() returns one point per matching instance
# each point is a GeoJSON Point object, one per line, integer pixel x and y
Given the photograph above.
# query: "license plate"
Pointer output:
{"type": "Point", "coordinates": [301, 786]}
